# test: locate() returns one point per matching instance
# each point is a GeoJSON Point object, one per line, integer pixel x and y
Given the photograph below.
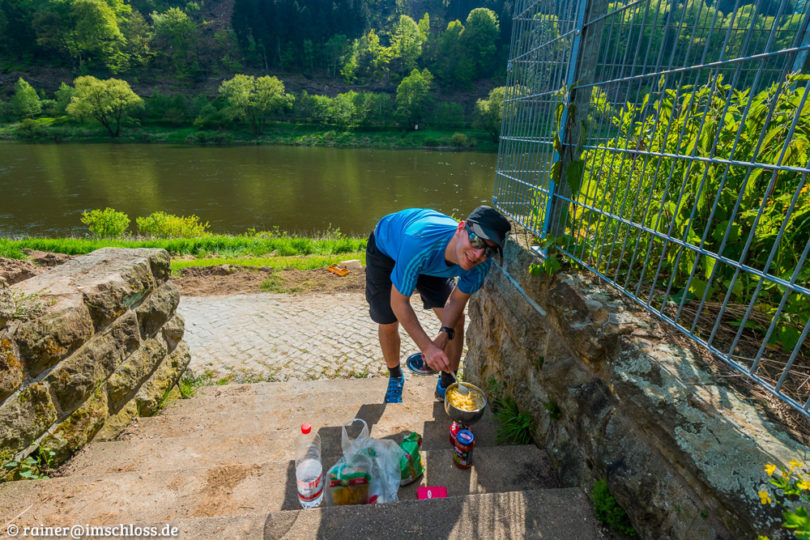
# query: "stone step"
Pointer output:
{"type": "Point", "coordinates": [267, 396]}
{"type": "Point", "coordinates": [559, 514]}
{"type": "Point", "coordinates": [425, 416]}
{"type": "Point", "coordinates": [246, 487]}
{"type": "Point", "coordinates": [153, 450]}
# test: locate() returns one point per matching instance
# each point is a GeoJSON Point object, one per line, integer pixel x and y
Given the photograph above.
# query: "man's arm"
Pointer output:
{"type": "Point", "coordinates": [401, 306]}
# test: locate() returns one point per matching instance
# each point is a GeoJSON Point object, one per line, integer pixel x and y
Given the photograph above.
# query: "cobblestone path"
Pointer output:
{"type": "Point", "coordinates": [278, 337]}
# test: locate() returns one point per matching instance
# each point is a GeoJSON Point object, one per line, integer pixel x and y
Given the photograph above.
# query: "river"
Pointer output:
{"type": "Point", "coordinates": [44, 188]}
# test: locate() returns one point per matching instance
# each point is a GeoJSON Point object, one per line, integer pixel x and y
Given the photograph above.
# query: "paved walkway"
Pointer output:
{"type": "Point", "coordinates": [279, 337]}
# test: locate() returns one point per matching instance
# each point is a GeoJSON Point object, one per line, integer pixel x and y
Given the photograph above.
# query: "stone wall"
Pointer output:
{"type": "Point", "coordinates": [614, 394]}
{"type": "Point", "coordinates": [86, 347]}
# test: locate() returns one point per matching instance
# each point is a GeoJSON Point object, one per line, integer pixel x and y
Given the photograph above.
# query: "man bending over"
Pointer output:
{"type": "Point", "coordinates": [423, 250]}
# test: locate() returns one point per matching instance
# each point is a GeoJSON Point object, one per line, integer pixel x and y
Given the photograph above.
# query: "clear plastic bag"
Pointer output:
{"type": "Point", "coordinates": [368, 466]}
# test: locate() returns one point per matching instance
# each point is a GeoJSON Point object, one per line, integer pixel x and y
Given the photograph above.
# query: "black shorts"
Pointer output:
{"type": "Point", "coordinates": [434, 290]}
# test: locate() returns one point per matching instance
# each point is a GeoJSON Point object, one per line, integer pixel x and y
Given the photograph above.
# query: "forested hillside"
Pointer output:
{"type": "Point", "coordinates": [374, 42]}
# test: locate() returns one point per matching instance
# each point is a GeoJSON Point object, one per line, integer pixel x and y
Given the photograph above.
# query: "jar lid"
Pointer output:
{"type": "Point", "coordinates": [465, 437]}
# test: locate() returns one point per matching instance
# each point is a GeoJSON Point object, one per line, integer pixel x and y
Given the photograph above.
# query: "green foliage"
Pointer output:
{"type": "Point", "coordinates": [188, 384]}
{"type": "Point", "coordinates": [460, 140]}
{"type": "Point", "coordinates": [107, 223]}
{"type": "Point", "coordinates": [792, 493]}
{"type": "Point", "coordinates": [252, 99]}
{"type": "Point", "coordinates": [514, 426]}
{"type": "Point", "coordinates": [413, 97]}
{"type": "Point", "coordinates": [608, 511]}
{"type": "Point", "coordinates": [479, 38]}
{"type": "Point", "coordinates": [162, 225]}
{"type": "Point", "coordinates": [108, 101]}
{"type": "Point", "coordinates": [34, 467]}
{"type": "Point", "coordinates": [488, 112]}
{"type": "Point", "coordinates": [698, 203]}
{"type": "Point", "coordinates": [25, 103]}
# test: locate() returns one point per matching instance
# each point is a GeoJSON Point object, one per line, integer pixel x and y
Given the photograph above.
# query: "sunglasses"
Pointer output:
{"type": "Point", "coordinates": [479, 243]}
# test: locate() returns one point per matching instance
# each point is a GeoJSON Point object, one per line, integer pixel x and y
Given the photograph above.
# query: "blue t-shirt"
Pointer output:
{"type": "Point", "coordinates": [416, 240]}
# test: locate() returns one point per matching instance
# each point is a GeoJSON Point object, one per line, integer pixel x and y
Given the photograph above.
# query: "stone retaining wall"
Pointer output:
{"type": "Point", "coordinates": [86, 347]}
{"type": "Point", "coordinates": [611, 395]}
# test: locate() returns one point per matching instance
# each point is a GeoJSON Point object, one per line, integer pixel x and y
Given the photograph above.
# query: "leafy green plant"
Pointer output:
{"type": "Point", "coordinates": [163, 225]}
{"type": "Point", "coordinates": [107, 223]}
{"type": "Point", "coordinates": [608, 511]}
{"type": "Point", "coordinates": [792, 494]}
{"type": "Point", "coordinates": [736, 212]}
{"type": "Point", "coordinates": [188, 384]}
{"type": "Point", "coordinates": [514, 426]}
{"type": "Point", "coordinates": [34, 467]}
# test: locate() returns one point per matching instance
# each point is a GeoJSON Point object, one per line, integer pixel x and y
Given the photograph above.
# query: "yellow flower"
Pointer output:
{"type": "Point", "coordinates": [770, 468]}
{"type": "Point", "coordinates": [795, 464]}
{"type": "Point", "coordinates": [764, 498]}
{"type": "Point", "coordinates": [803, 485]}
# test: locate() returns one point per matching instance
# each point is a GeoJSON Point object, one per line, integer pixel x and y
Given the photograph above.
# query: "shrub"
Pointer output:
{"type": "Point", "coordinates": [514, 427]}
{"type": "Point", "coordinates": [608, 511]}
{"type": "Point", "coordinates": [163, 225]}
{"type": "Point", "coordinates": [107, 223]}
{"type": "Point", "coordinates": [460, 140]}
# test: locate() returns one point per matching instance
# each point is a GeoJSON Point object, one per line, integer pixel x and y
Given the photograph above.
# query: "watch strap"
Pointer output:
{"type": "Point", "coordinates": [449, 331]}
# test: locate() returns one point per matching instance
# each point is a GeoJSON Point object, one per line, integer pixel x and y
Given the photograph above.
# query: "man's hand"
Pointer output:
{"type": "Point", "coordinates": [435, 358]}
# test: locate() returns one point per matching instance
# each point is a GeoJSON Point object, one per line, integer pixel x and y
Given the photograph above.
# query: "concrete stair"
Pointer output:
{"type": "Point", "coordinates": [220, 465]}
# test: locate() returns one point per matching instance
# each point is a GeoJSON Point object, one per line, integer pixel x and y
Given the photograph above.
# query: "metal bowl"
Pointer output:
{"type": "Point", "coordinates": [465, 417]}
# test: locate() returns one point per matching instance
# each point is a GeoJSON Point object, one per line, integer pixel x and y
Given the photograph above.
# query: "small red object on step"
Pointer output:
{"type": "Point", "coordinates": [431, 492]}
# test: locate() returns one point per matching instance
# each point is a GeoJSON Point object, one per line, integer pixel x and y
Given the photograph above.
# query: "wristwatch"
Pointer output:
{"type": "Point", "coordinates": [449, 331]}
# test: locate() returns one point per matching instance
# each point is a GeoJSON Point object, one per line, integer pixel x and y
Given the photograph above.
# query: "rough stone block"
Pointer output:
{"type": "Point", "coordinates": [117, 421]}
{"type": "Point", "coordinates": [165, 376]}
{"type": "Point", "coordinates": [82, 372]}
{"type": "Point", "coordinates": [157, 308]}
{"type": "Point", "coordinates": [134, 371]}
{"type": "Point", "coordinates": [109, 280]}
{"type": "Point", "coordinates": [78, 428]}
{"type": "Point", "coordinates": [7, 307]}
{"type": "Point", "coordinates": [64, 327]}
{"type": "Point", "coordinates": [25, 417]}
{"type": "Point", "coordinates": [173, 330]}
{"type": "Point", "coordinates": [11, 369]}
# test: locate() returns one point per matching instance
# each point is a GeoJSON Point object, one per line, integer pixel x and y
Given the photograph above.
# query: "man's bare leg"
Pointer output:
{"type": "Point", "coordinates": [390, 343]}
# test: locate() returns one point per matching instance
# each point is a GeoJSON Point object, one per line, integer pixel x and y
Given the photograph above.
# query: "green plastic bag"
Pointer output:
{"type": "Point", "coordinates": [410, 465]}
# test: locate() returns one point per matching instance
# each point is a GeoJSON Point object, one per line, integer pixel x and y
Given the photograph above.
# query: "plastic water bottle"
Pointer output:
{"type": "Point", "coordinates": [308, 468]}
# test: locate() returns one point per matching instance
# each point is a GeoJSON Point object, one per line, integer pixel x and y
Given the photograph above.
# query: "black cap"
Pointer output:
{"type": "Point", "coordinates": [489, 224]}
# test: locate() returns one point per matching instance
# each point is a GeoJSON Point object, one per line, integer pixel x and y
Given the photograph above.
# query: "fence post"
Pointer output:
{"type": "Point", "coordinates": [573, 128]}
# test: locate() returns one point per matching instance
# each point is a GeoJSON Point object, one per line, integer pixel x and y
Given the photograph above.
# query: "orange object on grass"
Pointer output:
{"type": "Point", "coordinates": [339, 270]}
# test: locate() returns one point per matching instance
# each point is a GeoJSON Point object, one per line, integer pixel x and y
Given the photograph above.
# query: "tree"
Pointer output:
{"type": "Point", "coordinates": [107, 101]}
{"type": "Point", "coordinates": [481, 32]}
{"type": "Point", "coordinates": [413, 97]}
{"type": "Point", "coordinates": [176, 35]}
{"type": "Point", "coordinates": [25, 102]}
{"type": "Point", "coordinates": [452, 65]}
{"type": "Point", "coordinates": [406, 44]}
{"type": "Point", "coordinates": [252, 99]}
{"type": "Point", "coordinates": [488, 112]}
{"type": "Point", "coordinates": [96, 35]}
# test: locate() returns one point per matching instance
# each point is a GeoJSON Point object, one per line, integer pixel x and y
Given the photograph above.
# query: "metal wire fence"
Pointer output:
{"type": "Point", "coordinates": [664, 146]}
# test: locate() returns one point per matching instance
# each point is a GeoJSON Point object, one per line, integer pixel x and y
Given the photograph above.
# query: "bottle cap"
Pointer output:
{"type": "Point", "coordinates": [465, 437]}
{"type": "Point", "coordinates": [306, 428]}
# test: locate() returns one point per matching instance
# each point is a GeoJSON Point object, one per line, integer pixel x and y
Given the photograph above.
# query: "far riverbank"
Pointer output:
{"type": "Point", "coordinates": [62, 130]}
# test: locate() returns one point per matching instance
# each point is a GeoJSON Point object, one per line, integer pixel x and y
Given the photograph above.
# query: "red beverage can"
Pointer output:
{"type": "Point", "coordinates": [455, 427]}
{"type": "Point", "coordinates": [463, 450]}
